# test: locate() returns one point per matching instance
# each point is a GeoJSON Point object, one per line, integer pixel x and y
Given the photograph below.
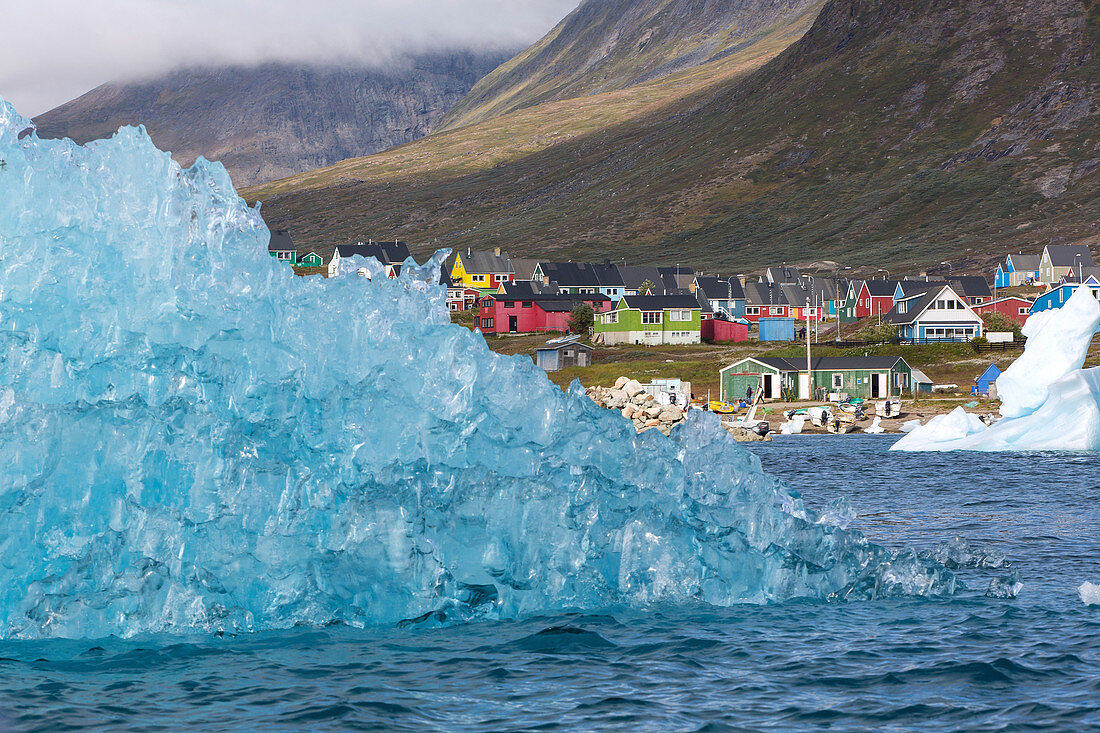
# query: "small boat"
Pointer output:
{"type": "Point", "coordinates": [722, 408]}
{"type": "Point", "coordinates": [841, 423]}
{"type": "Point", "coordinates": [749, 421]}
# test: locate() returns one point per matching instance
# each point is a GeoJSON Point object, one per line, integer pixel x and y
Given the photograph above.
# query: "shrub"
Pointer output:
{"type": "Point", "coordinates": [997, 322]}
{"type": "Point", "coordinates": [581, 319]}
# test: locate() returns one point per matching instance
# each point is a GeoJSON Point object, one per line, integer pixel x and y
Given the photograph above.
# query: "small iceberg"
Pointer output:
{"type": "Point", "coordinates": [875, 427]}
{"type": "Point", "coordinates": [1048, 402]}
{"type": "Point", "coordinates": [1090, 593]}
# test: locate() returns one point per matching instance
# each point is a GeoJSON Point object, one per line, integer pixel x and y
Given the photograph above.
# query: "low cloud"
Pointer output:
{"type": "Point", "coordinates": [54, 50]}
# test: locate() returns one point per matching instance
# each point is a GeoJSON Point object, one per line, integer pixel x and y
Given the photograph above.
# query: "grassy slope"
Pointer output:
{"type": "Point", "coordinates": [606, 45]}
{"type": "Point", "coordinates": [845, 147]}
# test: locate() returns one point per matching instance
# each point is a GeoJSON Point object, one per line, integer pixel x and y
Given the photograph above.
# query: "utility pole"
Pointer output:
{"type": "Point", "coordinates": [809, 373]}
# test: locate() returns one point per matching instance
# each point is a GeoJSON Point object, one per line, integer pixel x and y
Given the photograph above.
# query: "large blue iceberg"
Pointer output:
{"type": "Point", "coordinates": [193, 439]}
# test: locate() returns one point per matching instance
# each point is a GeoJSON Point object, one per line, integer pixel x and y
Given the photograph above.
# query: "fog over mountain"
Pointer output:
{"type": "Point", "coordinates": [55, 50]}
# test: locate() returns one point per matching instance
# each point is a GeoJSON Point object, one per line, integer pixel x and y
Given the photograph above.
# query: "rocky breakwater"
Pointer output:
{"type": "Point", "coordinates": [645, 410]}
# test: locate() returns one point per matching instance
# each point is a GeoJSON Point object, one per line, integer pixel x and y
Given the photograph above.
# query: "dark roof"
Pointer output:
{"type": "Point", "coordinates": [570, 345]}
{"type": "Point", "coordinates": [280, 241]}
{"type": "Point", "coordinates": [1066, 255]}
{"type": "Point", "coordinates": [608, 275]}
{"type": "Point", "coordinates": [528, 289]}
{"type": "Point", "coordinates": [388, 253]}
{"type": "Point", "coordinates": [780, 275]}
{"type": "Point", "coordinates": [1025, 263]}
{"type": "Point", "coordinates": [881, 288]}
{"type": "Point", "coordinates": [633, 277]}
{"type": "Point", "coordinates": [911, 287]}
{"type": "Point", "coordinates": [971, 286]}
{"type": "Point", "coordinates": [523, 268]}
{"type": "Point", "coordinates": [489, 263]}
{"type": "Point", "coordinates": [829, 363]}
{"type": "Point", "coordinates": [554, 303]}
{"type": "Point", "coordinates": [757, 293]}
{"type": "Point", "coordinates": [675, 278]}
{"type": "Point", "coordinates": [660, 302]}
{"type": "Point", "coordinates": [717, 288]}
{"type": "Point", "coordinates": [570, 274]}
{"type": "Point", "coordinates": [917, 303]}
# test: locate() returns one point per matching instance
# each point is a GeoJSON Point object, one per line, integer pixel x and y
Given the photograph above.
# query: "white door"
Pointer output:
{"type": "Point", "coordinates": [803, 386]}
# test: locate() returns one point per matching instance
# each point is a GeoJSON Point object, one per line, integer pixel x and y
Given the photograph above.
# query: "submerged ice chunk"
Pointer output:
{"type": "Point", "coordinates": [193, 438]}
{"type": "Point", "coordinates": [1090, 593]}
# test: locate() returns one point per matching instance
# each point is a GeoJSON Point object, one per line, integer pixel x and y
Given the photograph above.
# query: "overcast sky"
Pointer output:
{"type": "Point", "coordinates": [55, 50]}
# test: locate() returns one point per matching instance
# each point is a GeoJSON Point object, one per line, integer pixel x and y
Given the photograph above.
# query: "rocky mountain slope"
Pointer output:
{"type": "Point", "coordinates": [893, 132]}
{"type": "Point", "coordinates": [605, 45]}
{"type": "Point", "coordinates": [273, 121]}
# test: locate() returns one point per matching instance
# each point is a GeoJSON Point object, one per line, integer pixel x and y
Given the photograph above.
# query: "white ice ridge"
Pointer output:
{"type": "Point", "coordinates": [1048, 402]}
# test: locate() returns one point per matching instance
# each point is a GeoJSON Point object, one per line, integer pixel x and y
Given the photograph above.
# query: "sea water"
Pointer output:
{"type": "Point", "coordinates": [972, 661]}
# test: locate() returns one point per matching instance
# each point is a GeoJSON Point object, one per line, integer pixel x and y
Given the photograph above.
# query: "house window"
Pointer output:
{"type": "Point", "coordinates": [776, 310]}
{"type": "Point", "coordinates": [752, 310]}
{"type": "Point", "coordinates": [487, 322]}
{"type": "Point", "coordinates": [477, 321]}
{"type": "Point", "coordinates": [679, 315]}
{"type": "Point", "coordinates": [585, 291]}
{"type": "Point", "coordinates": [611, 318]}
{"type": "Point", "coordinates": [1024, 311]}
{"type": "Point", "coordinates": [527, 304]}
{"type": "Point", "coordinates": [650, 317]}
{"type": "Point", "coordinates": [901, 380]}
{"type": "Point", "coordinates": [509, 304]}
{"type": "Point", "coordinates": [478, 278]}
{"type": "Point", "coordinates": [838, 381]}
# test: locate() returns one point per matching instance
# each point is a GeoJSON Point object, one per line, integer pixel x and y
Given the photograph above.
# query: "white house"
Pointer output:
{"type": "Point", "coordinates": [936, 314]}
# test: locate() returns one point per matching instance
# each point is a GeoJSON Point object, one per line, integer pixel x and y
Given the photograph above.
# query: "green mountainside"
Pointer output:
{"type": "Point", "coordinates": [894, 132]}
{"type": "Point", "coordinates": [605, 45]}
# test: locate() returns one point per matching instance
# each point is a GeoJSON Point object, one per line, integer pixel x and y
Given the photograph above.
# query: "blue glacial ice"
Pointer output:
{"type": "Point", "coordinates": [1048, 402]}
{"type": "Point", "coordinates": [193, 439]}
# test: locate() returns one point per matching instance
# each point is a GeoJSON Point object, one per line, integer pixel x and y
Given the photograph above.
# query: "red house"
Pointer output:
{"type": "Point", "coordinates": [536, 313]}
{"type": "Point", "coordinates": [1013, 307]}
{"type": "Point", "coordinates": [719, 329]}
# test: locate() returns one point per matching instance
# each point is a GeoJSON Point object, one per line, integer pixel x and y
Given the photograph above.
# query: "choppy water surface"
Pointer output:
{"type": "Point", "coordinates": [968, 662]}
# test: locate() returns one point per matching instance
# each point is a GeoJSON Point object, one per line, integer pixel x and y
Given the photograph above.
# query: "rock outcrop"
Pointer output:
{"type": "Point", "coordinates": [643, 409]}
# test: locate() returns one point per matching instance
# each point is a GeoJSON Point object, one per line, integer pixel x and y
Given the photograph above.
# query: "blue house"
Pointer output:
{"type": "Point", "coordinates": [1057, 296]}
{"type": "Point", "coordinates": [986, 380]}
{"type": "Point", "coordinates": [938, 313]}
{"type": "Point", "coordinates": [1018, 269]}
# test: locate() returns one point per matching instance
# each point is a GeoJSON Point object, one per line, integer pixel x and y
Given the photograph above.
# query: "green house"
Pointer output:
{"type": "Point", "coordinates": [866, 377]}
{"type": "Point", "coordinates": [311, 259]}
{"type": "Point", "coordinates": [281, 247]}
{"type": "Point", "coordinates": [652, 320]}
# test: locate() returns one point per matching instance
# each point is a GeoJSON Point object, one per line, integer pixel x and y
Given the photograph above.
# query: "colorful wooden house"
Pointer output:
{"type": "Point", "coordinates": [651, 320]}
{"type": "Point", "coordinates": [935, 314]}
{"type": "Point", "coordinates": [1057, 296]}
{"type": "Point", "coordinates": [482, 270]}
{"type": "Point", "coordinates": [1017, 269]}
{"type": "Point", "coordinates": [984, 384]}
{"type": "Point", "coordinates": [1013, 307]}
{"type": "Point", "coordinates": [281, 247]}
{"type": "Point", "coordinates": [536, 313]}
{"type": "Point", "coordinates": [866, 377]}
{"type": "Point", "coordinates": [724, 295]}
{"type": "Point", "coordinates": [390, 255]}
{"type": "Point", "coordinates": [1058, 259]}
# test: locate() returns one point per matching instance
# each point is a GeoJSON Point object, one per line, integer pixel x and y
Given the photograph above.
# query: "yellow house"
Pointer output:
{"type": "Point", "coordinates": [482, 270]}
